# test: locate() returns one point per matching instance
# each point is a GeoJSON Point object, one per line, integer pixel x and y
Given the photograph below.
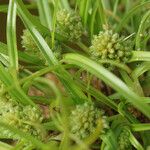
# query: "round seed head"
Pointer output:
{"type": "Point", "coordinates": [69, 25]}
{"type": "Point", "coordinates": [109, 45]}
{"type": "Point", "coordinates": [20, 117]}
{"type": "Point", "coordinates": [84, 120]}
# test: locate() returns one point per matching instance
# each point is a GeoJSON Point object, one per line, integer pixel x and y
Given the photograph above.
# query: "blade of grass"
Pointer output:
{"type": "Point", "coordinates": [45, 13]}
{"type": "Point", "coordinates": [110, 79]}
{"type": "Point", "coordinates": [141, 30]}
{"type": "Point", "coordinates": [92, 21]}
{"type": "Point", "coordinates": [11, 36]}
{"type": "Point", "coordinates": [82, 5]}
{"type": "Point", "coordinates": [4, 8]}
{"type": "Point", "coordinates": [140, 127]}
{"type": "Point", "coordinates": [138, 71]}
{"type": "Point", "coordinates": [135, 142]}
{"type": "Point", "coordinates": [88, 3]}
{"type": "Point", "coordinates": [54, 23]}
{"type": "Point", "coordinates": [140, 56]}
{"type": "Point", "coordinates": [16, 92]}
{"type": "Point", "coordinates": [4, 146]}
{"type": "Point", "coordinates": [130, 14]}
{"type": "Point", "coordinates": [99, 96]}
{"type": "Point", "coordinates": [102, 13]}
{"type": "Point", "coordinates": [25, 136]}
{"type": "Point", "coordinates": [23, 57]}
{"type": "Point", "coordinates": [65, 5]}
{"type": "Point", "coordinates": [119, 65]}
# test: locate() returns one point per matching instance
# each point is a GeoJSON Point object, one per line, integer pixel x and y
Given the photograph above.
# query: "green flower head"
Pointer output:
{"type": "Point", "coordinates": [123, 140]}
{"type": "Point", "coordinates": [109, 45]}
{"type": "Point", "coordinates": [69, 25]}
{"type": "Point", "coordinates": [27, 42]}
{"type": "Point", "coordinates": [23, 118]}
{"type": "Point", "coordinates": [84, 120]}
{"type": "Point", "coordinates": [30, 46]}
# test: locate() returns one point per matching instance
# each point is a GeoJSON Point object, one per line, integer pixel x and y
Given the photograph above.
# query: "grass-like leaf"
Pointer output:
{"type": "Point", "coordinates": [11, 35]}
{"type": "Point", "coordinates": [110, 79]}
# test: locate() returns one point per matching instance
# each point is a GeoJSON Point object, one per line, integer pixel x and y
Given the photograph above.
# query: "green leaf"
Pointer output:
{"type": "Point", "coordinates": [70, 86]}
{"type": "Point", "coordinates": [16, 91]}
{"type": "Point", "coordinates": [4, 146]}
{"type": "Point", "coordinates": [65, 5]}
{"type": "Point", "coordinates": [45, 13]}
{"type": "Point", "coordinates": [23, 57]}
{"type": "Point", "coordinates": [25, 136]}
{"type": "Point", "coordinates": [130, 14]}
{"type": "Point", "coordinates": [11, 35]}
{"type": "Point", "coordinates": [140, 127]}
{"type": "Point", "coordinates": [142, 68]}
{"type": "Point", "coordinates": [140, 56]}
{"type": "Point", "coordinates": [135, 142]}
{"type": "Point", "coordinates": [142, 28]}
{"type": "Point", "coordinates": [108, 78]}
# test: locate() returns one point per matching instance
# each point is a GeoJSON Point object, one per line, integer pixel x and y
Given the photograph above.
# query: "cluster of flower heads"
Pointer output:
{"type": "Point", "coordinates": [69, 25]}
{"type": "Point", "coordinates": [85, 118]}
{"type": "Point", "coordinates": [24, 118]}
{"type": "Point", "coordinates": [31, 47]}
{"type": "Point", "coordinates": [123, 140]}
{"type": "Point", "coordinates": [28, 43]}
{"type": "Point", "coordinates": [109, 45]}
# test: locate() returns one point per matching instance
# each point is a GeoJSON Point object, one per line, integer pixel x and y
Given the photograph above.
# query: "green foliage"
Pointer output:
{"type": "Point", "coordinates": [66, 43]}
{"type": "Point", "coordinates": [30, 46]}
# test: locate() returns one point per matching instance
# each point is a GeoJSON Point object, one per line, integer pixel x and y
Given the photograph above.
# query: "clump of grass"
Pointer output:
{"type": "Point", "coordinates": [53, 91]}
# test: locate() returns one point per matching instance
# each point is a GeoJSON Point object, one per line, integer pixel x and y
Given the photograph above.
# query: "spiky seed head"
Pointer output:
{"type": "Point", "coordinates": [109, 45]}
{"type": "Point", "coordinates": [84, 120]}
{"type": "Point", "coordinates": [69, 25]}
{"type": "Point", "coordinates": [28, 42]}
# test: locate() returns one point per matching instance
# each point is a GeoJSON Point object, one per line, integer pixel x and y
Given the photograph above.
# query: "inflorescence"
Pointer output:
{"type": "Point", "coordinates": [109, 45]}
{"type": "Point", "coordinates": [25, 118]}
{"type": "Point", "coordinates": [69, 25]}
{"type": "Point", "coordinates": [84, 120]}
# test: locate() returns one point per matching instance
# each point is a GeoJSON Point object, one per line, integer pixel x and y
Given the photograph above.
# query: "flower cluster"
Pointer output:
{"type": "Point", "coordinates": [123, 140]}
{"type": "Point", "coordinates": [109, 45]}
{"type": "Point", "coordinates": [69, 25]}
{"type": "Point", "coordinates": [30, 46]}
{"type": "Point", "coordinates": [24, 118]}
{"type": "Point", "coordinates": [84, 120]}
{"type": "Point", "coordinates": [28, 43]}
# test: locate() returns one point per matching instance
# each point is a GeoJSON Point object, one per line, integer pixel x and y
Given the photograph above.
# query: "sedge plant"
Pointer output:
{"type": "Point", "coordinates": [81, 79]}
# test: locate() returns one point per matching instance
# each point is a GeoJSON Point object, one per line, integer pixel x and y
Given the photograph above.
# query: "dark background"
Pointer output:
{"type": "Point", "coordinates": [19, 25]}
